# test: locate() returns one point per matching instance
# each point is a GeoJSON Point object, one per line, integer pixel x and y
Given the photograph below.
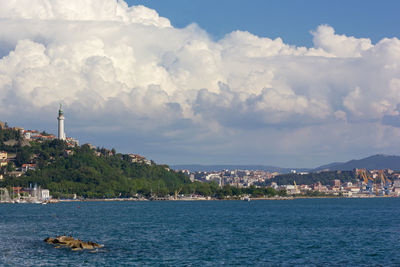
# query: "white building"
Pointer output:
{"type": "Point", "coordinates": [45, 194]}
{"type": "Point", "coordinates": [3, 155]}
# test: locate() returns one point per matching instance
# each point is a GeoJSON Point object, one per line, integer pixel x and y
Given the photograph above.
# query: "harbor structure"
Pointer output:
{"type": "Point", "coordinates": [32, 194]}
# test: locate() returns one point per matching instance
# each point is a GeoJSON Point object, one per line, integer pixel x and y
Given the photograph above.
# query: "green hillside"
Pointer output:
{"type": "Point", "coordinates": [85, 171]}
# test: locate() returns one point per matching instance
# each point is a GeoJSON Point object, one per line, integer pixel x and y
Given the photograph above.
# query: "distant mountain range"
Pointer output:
{"type": "Point", "coordinates": [371, 163]}
{"type": "Point", "coordinates": [210, 168]}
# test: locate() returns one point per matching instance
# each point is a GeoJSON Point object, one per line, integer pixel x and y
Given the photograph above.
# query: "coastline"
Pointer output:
{"type": "Point", "coordinates": [54, 201]}
{"type": "Point", "coordinates": [216, 199]}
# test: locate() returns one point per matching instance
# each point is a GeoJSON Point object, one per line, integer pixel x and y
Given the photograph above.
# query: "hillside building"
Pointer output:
{"type": "Point", "coordinates": [3, 155]}
{"type": "Point", "coordinates": [3, 158]}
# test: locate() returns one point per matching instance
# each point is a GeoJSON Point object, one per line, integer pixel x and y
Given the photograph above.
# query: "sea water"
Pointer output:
{"type": "Point", "coordinates": [312, 232]}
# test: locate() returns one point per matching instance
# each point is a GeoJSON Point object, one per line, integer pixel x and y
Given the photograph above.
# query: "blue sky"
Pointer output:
{"type": "Point", "coordinates": [297, 83]}
{"type": "Point", "coordinates": [289, 19]}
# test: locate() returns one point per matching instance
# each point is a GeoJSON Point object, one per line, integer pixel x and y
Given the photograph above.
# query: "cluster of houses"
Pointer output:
{"type": "Point", "coordinates": [134, 158]}
{"type": "Point", "coordinates": [5, 160]}
{"type": "Point", "coordinates": [33, 135]}
{"type": "Point", "coordinates": [237, 178]}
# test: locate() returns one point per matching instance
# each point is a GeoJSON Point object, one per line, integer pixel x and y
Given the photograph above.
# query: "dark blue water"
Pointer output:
{"type": "Point", "coordinates": [313, 232]}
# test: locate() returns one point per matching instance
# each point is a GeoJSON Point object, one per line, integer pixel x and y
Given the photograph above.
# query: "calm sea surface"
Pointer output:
{"type": "Point", "coordinates": [313, 232]}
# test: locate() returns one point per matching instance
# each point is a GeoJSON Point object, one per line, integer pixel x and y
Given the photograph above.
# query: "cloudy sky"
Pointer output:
{"type": "Point", "coordinates": [287, 83]}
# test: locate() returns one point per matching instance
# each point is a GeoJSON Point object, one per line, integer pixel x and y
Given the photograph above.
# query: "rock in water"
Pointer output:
{"type": "Point", "coordinates": [69, 241]}
{"type": "Point", "coordinates": [49, 240]}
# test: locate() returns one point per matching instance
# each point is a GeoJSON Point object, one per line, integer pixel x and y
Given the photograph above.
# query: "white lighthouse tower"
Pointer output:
{"type": "Point", "coordinates": [60, 118]}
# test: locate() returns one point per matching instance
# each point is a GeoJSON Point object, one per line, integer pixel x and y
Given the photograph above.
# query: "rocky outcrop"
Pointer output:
{"type": "Point", "coordinates": [13, 142]}
{"type": "Point", "coordinates": [70, 242]}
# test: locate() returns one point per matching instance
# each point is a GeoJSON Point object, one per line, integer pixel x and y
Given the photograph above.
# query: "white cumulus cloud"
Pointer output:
{"type": "Point", "coordinates": [127, 67]}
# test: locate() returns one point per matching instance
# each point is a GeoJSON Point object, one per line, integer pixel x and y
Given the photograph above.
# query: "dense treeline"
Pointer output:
{"type": "Point", "coordinates": [326, 178]}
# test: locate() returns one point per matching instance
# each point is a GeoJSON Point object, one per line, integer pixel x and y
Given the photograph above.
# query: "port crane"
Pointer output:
{"type": "Point", "coordinates": [296, 188]}
{"type": "Point", "coordinates": [366, 179]}
{"type": "Point", "coordinates": [385, 182]}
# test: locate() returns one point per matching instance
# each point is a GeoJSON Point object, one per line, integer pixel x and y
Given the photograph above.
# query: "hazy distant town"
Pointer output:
{"type": "Point", "coordinates": [369, 183]}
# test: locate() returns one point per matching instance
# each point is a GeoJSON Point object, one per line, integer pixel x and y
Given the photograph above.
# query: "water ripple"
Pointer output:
{"type": "Point", "coordinates": [310, 232]}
